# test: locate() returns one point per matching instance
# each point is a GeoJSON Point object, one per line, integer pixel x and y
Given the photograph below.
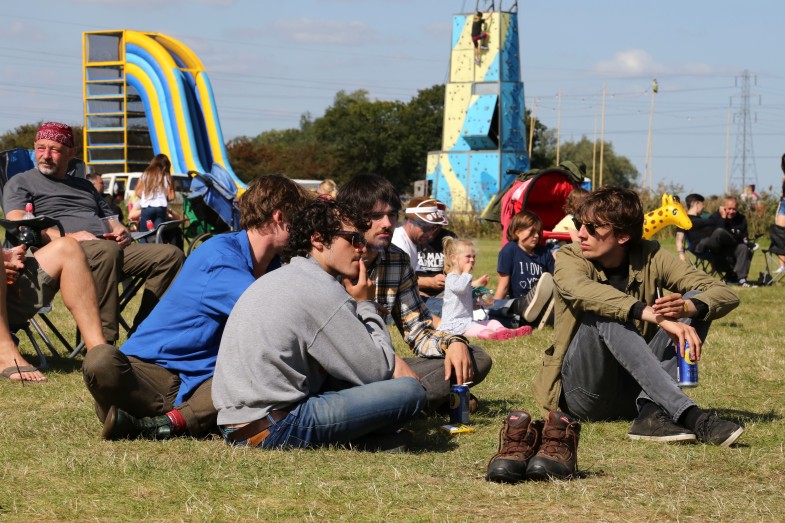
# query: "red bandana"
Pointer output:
{"type": "Point", "coordinates": [57, 132]}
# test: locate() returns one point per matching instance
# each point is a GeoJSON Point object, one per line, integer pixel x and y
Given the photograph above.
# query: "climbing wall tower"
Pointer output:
{"type": "Point", "coordinates": [484, 129]}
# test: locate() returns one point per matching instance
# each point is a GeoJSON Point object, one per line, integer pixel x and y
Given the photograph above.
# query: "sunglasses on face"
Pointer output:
{"type": "Point", "coordinates": [591, 228]}
{"type": "Point", "coordinates": [428, 228]}
{"type": "Point", "coordinates": [357, 239]}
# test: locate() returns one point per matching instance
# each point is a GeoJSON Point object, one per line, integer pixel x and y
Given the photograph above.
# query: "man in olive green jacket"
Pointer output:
{"type": "Point", "coordinates": [615, 328]}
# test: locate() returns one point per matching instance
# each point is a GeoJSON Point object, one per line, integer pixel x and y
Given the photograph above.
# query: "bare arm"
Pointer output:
{"type": "Point", "coordinates": [680, 245]}
{"type": "Point", "coordinates": [431, 283]}
{"type": "Point", "coordinates": [502, 287]}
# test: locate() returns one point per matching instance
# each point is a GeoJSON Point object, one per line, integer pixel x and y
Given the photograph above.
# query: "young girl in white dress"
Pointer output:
{"type": "Point", "coordinates": [459, 257]}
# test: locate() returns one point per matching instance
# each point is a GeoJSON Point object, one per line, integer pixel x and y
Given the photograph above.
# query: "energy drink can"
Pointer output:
{"type": "Point", "coordinates": [459, 404]}
{"type": "Point", "coordinates": [687, 370]}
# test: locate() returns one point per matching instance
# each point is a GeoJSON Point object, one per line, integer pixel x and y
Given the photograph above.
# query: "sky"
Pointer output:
{"type": "Point", "coordinates": [272, 62]}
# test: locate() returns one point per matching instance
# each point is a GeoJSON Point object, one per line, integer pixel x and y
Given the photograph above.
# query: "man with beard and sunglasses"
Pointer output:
{"type": "Point", "coordinates": [443, 359]}
{"type": "Point", "coordinates": [616, 330]}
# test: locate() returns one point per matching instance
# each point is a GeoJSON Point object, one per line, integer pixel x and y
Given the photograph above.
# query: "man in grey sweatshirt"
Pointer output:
{"type": "Point", "coordinates": [297, 333]}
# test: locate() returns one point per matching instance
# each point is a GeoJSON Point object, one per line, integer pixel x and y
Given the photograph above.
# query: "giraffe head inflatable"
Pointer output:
{"type": "Point", "coordinates": [671, 213]}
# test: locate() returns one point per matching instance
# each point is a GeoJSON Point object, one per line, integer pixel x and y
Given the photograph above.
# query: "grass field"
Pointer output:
{"type": "Point", "coordinates": [54, 466]}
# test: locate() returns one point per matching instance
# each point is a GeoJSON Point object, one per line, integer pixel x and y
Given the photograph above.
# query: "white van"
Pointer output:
{"type": "Point", "coordinates": [125, 185]}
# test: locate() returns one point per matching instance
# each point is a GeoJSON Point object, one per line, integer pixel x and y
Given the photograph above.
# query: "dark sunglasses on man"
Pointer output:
{"type": "Point", "coordinates": [357, 239]}
{"type": "Point", "coordinates": [591, 228]}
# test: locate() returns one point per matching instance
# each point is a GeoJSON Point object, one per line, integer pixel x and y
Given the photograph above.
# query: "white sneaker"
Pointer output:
{"type": "Point", "coordinates": [542, 295]}
{"type": "Point", "coordinates": [780, 270]}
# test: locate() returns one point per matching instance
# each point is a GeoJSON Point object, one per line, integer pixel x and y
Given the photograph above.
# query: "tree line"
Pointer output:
{"type": "Point", "coordinates": [357, 134]}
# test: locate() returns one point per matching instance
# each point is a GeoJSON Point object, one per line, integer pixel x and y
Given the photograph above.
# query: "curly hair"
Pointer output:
{"type": "Point", "coordinates": [323, 218]}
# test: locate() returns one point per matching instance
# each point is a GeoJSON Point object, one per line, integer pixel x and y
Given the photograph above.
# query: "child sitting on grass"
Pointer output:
{"type": "Point", "coordinates": [459, 257]}
{"type": "Point", "coordinates": [525, 268]}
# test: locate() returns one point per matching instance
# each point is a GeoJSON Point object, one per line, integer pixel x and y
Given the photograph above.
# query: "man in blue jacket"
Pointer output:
{"type": "Point", "coordinates": [157, 384]}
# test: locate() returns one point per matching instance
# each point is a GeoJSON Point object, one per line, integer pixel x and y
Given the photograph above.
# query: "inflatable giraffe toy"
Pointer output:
{"type": "Point", "coordinates": [671, 213]}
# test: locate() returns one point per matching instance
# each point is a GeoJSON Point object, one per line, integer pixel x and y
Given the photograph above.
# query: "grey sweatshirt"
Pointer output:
{"type": "Point", "coordinates": [288, 332]}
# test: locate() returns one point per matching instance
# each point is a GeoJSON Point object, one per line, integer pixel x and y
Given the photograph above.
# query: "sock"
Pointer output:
{"type": "Point", "coordinates": [178, 421]}
{"type": "Point", "coordinates": [689, 418]}
{"type": "Point", "coordinates": [647, 408]}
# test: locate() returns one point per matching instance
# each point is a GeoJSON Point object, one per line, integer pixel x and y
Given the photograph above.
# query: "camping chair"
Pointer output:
{"type": "Point", "coordinates": [706, 261]}
{"type": "Point", "coordinates": [771, 256]}
{"type": "Point", "coordinates": [211, 204]}
{"type": "Point", "coordinates": [131, 286]}
{"type": "Point", "coordinates": [12, 232]}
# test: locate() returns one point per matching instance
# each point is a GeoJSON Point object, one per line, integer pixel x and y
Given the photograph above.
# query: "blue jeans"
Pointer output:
{"type": "Point", "coordinates": [156, 214]}
{"type": "Point", "coordinates": [435, 305]}
{"type": "Point", "coordinates": [346, 415]}
{"type": "Point", "coordinates": [609, 367]}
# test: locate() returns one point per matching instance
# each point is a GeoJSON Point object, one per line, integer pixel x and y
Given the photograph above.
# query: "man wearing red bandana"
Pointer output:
{"type": "Point", "coordinates": [78, 206]}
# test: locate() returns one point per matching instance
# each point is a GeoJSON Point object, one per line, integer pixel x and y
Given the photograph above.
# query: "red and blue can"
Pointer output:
{"type": "Point", "coordinates": [459, 404]}
{"type": "Point", "coordinates": [687, 370]}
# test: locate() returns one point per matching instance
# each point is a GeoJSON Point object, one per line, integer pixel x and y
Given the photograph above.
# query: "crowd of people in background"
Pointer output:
{"type": "Point", "coordinates": [211, 352]}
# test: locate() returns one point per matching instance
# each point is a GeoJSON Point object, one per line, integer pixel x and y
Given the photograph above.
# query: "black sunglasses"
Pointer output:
{"type": "Point", "coordinates": [591, 228]}
{"type": "Point", "coordinates": [357, 239]}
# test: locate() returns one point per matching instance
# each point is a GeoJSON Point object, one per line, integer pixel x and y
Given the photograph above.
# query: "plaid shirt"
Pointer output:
{"type": "Point", "coordinates": [397, 292]}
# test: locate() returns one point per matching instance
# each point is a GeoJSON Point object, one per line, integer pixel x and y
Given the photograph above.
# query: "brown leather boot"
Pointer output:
{"type": "Point", "coordinates": [519, 440]}
{"type": "Point", "coordinates": [558, 454]}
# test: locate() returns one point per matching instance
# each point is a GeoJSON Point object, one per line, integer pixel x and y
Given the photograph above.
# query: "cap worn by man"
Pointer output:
{"type": "Point", "coordinates": [428, 210]}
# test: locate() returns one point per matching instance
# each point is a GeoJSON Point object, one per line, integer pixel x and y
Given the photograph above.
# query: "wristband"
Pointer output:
{"type": "Point", "coordinates": [456, 338]}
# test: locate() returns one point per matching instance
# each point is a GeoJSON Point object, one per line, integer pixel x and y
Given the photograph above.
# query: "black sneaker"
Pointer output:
{"type": "Point", "coordinates": [121, 425]}
{"type": "Point", "coordinates": [717, 431]}
{"type": "Point", "coordinates": [659, 427]}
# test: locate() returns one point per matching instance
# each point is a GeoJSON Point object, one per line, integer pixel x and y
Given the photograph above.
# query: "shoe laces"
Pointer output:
{"type": "Point", "coordinates": [559, 441]}
{"type": "Point", "coordinates": [516, 440]}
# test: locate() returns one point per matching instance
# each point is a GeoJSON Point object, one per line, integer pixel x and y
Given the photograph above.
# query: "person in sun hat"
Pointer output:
{"type": "Point", "coordinates": [441, 359]}
{"type": "Point", "coordinates": [424, 217]}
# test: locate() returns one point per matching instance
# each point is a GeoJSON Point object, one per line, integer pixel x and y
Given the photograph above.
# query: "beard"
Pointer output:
{"type": "Point", "coordinates": [47, 169]}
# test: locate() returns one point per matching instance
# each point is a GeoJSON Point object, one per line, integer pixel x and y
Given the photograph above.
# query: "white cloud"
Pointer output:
{"type": "Point", "coordinates": [634, 62]}
{"type": "Point", "coordinates": [637, 62]}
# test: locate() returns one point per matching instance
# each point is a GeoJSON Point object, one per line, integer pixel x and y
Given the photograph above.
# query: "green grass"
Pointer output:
{"type": "Point", "coordinates": [54, 466]}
